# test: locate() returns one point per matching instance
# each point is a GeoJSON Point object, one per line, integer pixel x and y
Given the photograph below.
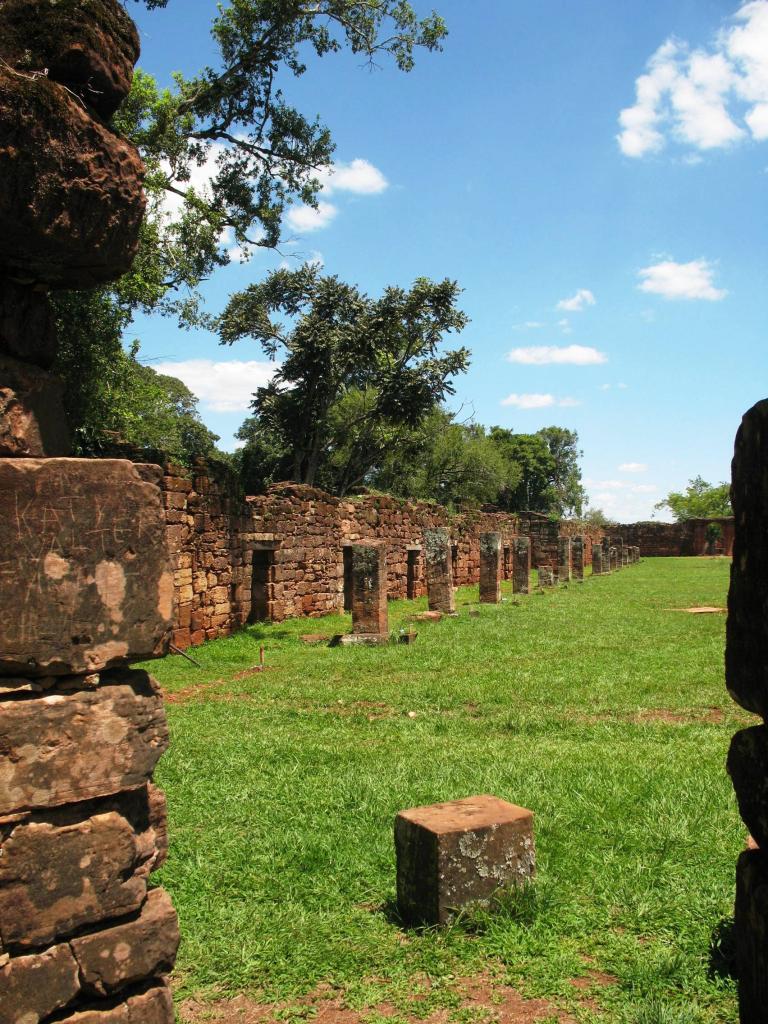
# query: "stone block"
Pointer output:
{"type": "Point", "coordinates": [369, 589]}
{"type": "Point", "coordinates": [55, 879]}
{"type": "Point", "coordinates": [546, 576]}
{"type": "Point", "coordinates": [153, 1005]}
{"type": "Point", "coordinates": [32, 421]}
{"type": "Point", "coordinates": [491, 568]}
{"type": "Point", "coordinates": [85, 571]}
{"type": "Point", "coordinates": [598, 553]}
{"type": "Point", "coordinates": [65, 747]}
{"type": "Point", "coordinates": [127, 953]}
{"type": "Point", "coordinates": [746, 652]}
{"type": "Point", "coordinates": [747, 766]}
{"type": "Point", "coordinates": [454, 854]}
{"type": "Point", "coordinates": [438, 568]}
{"type": "Point", "coordinates": [35, 986]}
{"type": "Point", "coordinates": [751, 936]}
{"type": "Point", "coordinates": [521, 565]}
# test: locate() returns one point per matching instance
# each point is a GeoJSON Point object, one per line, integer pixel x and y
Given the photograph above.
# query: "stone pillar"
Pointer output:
{"type": "Point", "coordinates": [490, 568]}
{"type": "Point", "coordinates": [369, 589]}
{"type": "Point", "coordinates": [86, 577]}
{"type": "Point", "coordinates": [624, 554]}
{"type": "Point", "coordinates": [597, 560]}
{"type": "Point", "coordinates": [521, 569]}
{"type": "Point", "coordinates": [577, 557]}
{"type": "Point", "coordinates": [618, 543]}
{"type": "Point", "coordinates": [546, 576]}
{"type": "Point", "coordinates": [746, 671]}
{"type": "Point", "coordinates": [564, 559]}
{"type": "Point", "coordinates": [439, 571]}
{"type": "Point", "coordinates": [613, 559]}
{"type": "Point", "coordinates": [606, 554]}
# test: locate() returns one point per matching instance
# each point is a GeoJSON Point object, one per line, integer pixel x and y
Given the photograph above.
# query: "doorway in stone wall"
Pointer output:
{"type": "Point", "coordinates": [412, 578]}
{"type": "Point", "coordinates": [347, 555]}
{"type": "Point", "coordinates": [262, 582]}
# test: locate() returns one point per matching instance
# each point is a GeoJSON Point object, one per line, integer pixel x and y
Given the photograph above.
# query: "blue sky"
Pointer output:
{"type": "Point", "coordinates": [593, 175]}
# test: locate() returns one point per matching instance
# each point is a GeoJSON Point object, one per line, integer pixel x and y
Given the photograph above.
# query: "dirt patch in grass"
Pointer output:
{"type": "Point", "coordinates": [711, 716]}
{"type": "Point", "coordinates": [481, 999]}
{"type": "Point", "coordinates": [703, 609]}
{"type": "Point", "coordinates": [199, 691]}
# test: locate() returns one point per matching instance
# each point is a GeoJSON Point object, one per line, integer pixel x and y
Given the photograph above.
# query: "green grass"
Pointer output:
{"type": "Point", "coordinates": [591, 705]}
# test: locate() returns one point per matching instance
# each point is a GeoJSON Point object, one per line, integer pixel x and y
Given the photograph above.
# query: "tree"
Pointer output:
{"type": "Point", "coordinates": [442, 460]}
{"type": "Point", "coordinates": [569, 495]}
{"type": "Point", "coordinates": [532, 492]}
{"type": "Point", "coordinates": [700, 500]}
{"type": "Point", "coordinates": [110, 395]}
{"type": "Point", "coordinates": [334, 342]}
{"type": "Point", "coordinates": [227, 147]}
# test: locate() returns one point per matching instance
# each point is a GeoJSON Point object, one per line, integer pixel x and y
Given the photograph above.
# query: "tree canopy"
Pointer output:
{"type": "Point", "coordinates": [700, 500]}
{"type": "Point", "coordinates": [352, 368]}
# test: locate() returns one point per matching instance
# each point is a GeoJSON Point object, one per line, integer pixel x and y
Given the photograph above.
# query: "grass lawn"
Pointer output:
{"type": "Point", "coordinates": [598, 706]}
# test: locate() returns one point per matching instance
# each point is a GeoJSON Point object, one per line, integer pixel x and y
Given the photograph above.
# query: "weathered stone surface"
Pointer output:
{"type": "Point", "coordinates": [751, 936]}
{"type": "Point", "coordinates": [89, 46]}
{"type": "Point", "coordinates": [369, 589]}
{"type": "Point", "coordinates": [64, 747]}
{"type": "Point", "coordinates": [32, 421]}
{"type": "Point", "coordinates": [72, 201]}
{"type": "Point", "coordinates": [613, 559]}
{"type": "Point", "coordinates": [35, 986]}
{"type": "Point", "coordinates": [598, 553]}
{"type": "Point", "coordinates": [491, 569]}
{"type": "Point", "coordinates": [577, 557]}
{"type": "Point", "coordinates": [153, 1006]}
{"type": "Point", "coordinates": [158, 820]}
{"type": "Point", "coordinates": [27, 326]}
{"type": "Point", "coordinates": [746, 652]}
{"type": "Point", "coordinates": [747, 766]}
{"type": "Point", "coordinates": [454, 854]}
{"type": "Point", "coordinates": [84, 566]}
{"type": "Point", "coordinates": [521, 565]}
{"type": "Point", "coordinates": [130, 952]}
{"type": "Point", "coordinates": [618, 545]}
{"type": "Point", "coordinates": [564, 559]}
{"type": "Point", "coordinates": [56, 879]}
{"type": "Point", "coordinates": [439, 571]}
{"type": "Point", "coordinates": [546, 576]}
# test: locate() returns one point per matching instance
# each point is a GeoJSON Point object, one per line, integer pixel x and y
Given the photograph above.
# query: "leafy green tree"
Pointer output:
{"type": "Point", "coordinates": [110, 395]}
{"type": "Point", "coordinates": [533, 490]}
{"type": "Point", "coordinates": [334, 342]}
{"type": "Point", "coordinates": [232, 126]}
{"type": "Point", "coordinates": [569, 495]}
{"type": "Point", "coordinates": [446, 461]}
{"type": "Point", "coordinates": [700, 500]}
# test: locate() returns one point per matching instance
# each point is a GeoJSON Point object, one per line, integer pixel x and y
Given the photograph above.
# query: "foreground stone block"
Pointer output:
{"type": "Point", "coordinates": [85, 574]}
{"type": "Point", "coordinates": [127, 953]}
{"type": "Point", "coordinates": [751, 936]}
{"type": "Point", "coordinates": [35, 986]}
{"type": "Point", "coordinates": [438, 565]}
{"type": "Point", "coordinates": [546, 576]}
{"type": "Point", "coordinates": [56, 879]}
{"type": "Point", "coordinates": [454, 854]}
{"type": "Point", "coordinates": [746, 652]}
{"type": "Point", "coordinates": [65, 747]}
{"type": "Point", "coordinates": [369, 590]}
{"type": "Point", "coordinates": [32, 420]}
{"type": "Point", "coordinates": [521, 566]}
{"type": "Point", "coordinates": [491, 568]}
{"type": "Point", "coordinates": [613, 559]}
{"type": "Point", "coordinates": [577, 558]}
{"type": "Point", "coordinates": [152, 1006]}
{"type": "Point", "coordinates": [747, 766]}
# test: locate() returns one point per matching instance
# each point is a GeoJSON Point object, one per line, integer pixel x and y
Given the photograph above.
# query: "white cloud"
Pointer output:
{"type": "Point", "coordinates": [672, 280]}
{"type": "Point", "coordinates": [565, 326]}
{"type": "Point", "coordinates": [633, 467]}
{"type": "Point", "coordinates": [577, 302]}
{"type": "Point", "coordinates": [220, 386]}
{"type": "Point", "coordinates": [307, 218]}
{"type": "Point", "coordinates": [529, 325]}
{"type": "Point", "coordinates": [534, 401]}
{"type": "Point", "coordinates": [606, 486]}
{"type": "Point", "coordinates": [542, 355]}
{"type": "Point", "coordinates": [707, 99]}
{"type": "Point", "coordinates": [359, 176]}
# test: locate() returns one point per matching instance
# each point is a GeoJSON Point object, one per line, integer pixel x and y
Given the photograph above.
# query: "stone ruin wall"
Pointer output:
{"type": "Point", "coordinates": [84, 559]}
{"type": "Point", "coordinates": [675, 540]}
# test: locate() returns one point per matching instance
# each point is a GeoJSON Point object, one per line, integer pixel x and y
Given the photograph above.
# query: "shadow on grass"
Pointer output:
{"type": "Point", "coordinates": [722, 950]}
{"type": "Point", "coordinates": [266, 631]}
